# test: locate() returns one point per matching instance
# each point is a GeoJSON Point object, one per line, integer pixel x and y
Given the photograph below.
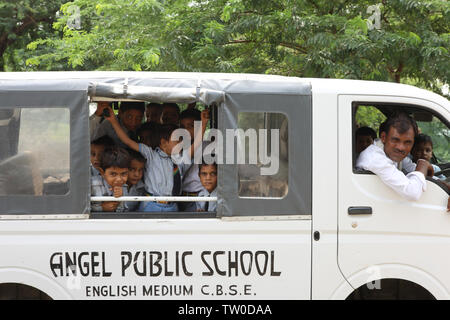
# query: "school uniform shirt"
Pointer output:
{"type": "Point", "coordinates": [94, 122]}
{"type": "Point", "coordinates": [137, 190]}
{"type": "Point", "coordinates": [437, 169]}
{"type": "Point", "coordinates": [158, 175]}
{"type": "Point", "coordinates": [375, 160]}
{"type": "Point", "coordinates": [191, 180]}
{"type": "Point", "coordinates": [99, 187]}
{"type": "Point", "coordinates": [106, 129]}
{"type": "Point", "coordinates": [94, 171]}
{"type": "Point", "coordinates": [204, 205]}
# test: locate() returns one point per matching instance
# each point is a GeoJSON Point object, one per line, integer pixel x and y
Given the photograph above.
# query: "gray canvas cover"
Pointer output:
{"type": "Point", "coordinates": [293, 99]}
{"type": "Point", "coordinates": [53, 94]}
{"type": "Point", "coordinates": [233, 93]}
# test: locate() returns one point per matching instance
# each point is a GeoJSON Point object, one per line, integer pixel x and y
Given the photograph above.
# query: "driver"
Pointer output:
{"type": "Point", "coordinates": [398, 140]}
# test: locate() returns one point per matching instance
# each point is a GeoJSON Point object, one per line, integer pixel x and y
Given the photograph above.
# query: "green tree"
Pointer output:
{"type": "Point", "coordinates": [307, 38]}
{"type": "Point", "coordinates": [112, 35]}
{"type": "Point", "coordinates": [21, 22]}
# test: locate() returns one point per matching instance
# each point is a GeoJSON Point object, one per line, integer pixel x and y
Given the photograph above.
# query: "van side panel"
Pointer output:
{"type": "Point", "coordinates": [161, 259]}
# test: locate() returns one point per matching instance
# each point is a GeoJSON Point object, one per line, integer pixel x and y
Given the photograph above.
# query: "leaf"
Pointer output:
{"type": "Point", "coordinates": [32, 61]}
{"type": "Point", "coordinates": [414, 38]}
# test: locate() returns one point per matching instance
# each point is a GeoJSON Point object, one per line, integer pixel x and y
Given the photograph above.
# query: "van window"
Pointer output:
{"type": "Point", "coordinates": [40, 163]}
{"type": "Point", "coordinates": [264, 133]}
{"type": "Point", "coordinates": [367, 115]}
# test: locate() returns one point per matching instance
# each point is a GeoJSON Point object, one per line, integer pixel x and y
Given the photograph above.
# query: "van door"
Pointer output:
{"type": "Point", "coordinates": [380, 234]}
{"type": "Point", "coordinates": [44, 142]}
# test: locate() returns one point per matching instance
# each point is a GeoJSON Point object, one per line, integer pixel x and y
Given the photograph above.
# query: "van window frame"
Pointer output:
{"type": "Point", "coordinates": [74, 204]}
{"type": "Point", "coordinates": [161, 215]}
{"type": "Point", "coordinates": [271, 97]}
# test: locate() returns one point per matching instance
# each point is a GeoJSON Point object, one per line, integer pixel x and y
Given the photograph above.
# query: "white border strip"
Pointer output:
{"type": "Point", "coordinates": [155, 198]}
{"type": "Point", "coordinates": [44, 217]}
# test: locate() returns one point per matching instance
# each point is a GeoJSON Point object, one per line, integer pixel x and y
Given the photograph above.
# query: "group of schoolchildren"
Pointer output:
{"type": "Point", "coordinates": [130, 157]}
{"type": "Point", "coordinates": [422, 149]}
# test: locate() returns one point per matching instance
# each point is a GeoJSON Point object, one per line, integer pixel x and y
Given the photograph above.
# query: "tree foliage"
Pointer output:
{"type": "Point", "coordinates": [21, 22]}
{"type": "Point", "coordinates": [307, 38]}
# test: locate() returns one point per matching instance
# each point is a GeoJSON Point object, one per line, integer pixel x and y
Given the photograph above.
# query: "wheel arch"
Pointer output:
{"type": "Point", "coordinates": [34, 279]}
{"type": "Point", "coordinates": [391, 271]}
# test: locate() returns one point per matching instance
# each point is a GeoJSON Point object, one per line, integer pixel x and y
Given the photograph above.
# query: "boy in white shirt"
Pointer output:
{"type": "Point", "coordinates": [208, 178]}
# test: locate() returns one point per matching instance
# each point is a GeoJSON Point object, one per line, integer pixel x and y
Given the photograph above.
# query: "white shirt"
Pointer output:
{"type": "Point", "coordinates": [191, 179]}
{"type": "Point", "coordinates": [374, 159]}
{"type": "Point", "coordinates": [158, 174]}
{"type": "Point", "coordinates": [94, 122]}
{"type": "Point", "coordinates": [212, 205]}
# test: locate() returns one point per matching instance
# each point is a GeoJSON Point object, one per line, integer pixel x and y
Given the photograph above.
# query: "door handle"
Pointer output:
{"type": "Point", "coordinates": [359, 210]}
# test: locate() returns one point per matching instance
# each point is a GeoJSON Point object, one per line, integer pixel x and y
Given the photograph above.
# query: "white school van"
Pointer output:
{"type": "Point", "coordinates": [316, 229]}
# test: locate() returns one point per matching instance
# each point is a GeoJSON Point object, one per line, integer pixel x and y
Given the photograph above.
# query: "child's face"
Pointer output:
{"type": "Point", "coordinates": [168, 146]}
{"type": "Point", "coordinates": [170, 115]}
{"type": "Point", "coordinates": [423, 150]}
{"type": "Point", "coordinates": [188, 124]}
{"type": "Point", "coordinates": [115, 176]}
{"type": "Point", "coordinates": [153, 114]}
{"type": "Point", "coordinates": [96, 154]}
{"type": "Point", "coordinates": [135, 172]}
{"type": "Point", "coordinates": [132, 119]}
{"type": "Point", "coordinates": [362, 142]}
{"type": "Point", "coordinates": [208, 177]}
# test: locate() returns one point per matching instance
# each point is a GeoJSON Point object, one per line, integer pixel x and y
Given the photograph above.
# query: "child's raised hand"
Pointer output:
{"type": "Point", "coordinates": [109, 115]}
{"type": "Point", "coordinates": [117, 191]}
{"type": "Point", "coordinates": [205, 116]}
{"type": "Point", "coordinates": [101, 105]}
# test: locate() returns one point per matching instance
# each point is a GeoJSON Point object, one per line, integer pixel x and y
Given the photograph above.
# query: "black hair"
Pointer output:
{"type": "Point", "coordinates": [382, 128]}
{"type": "Point", "coordinates": [165, 130]}
{"type": "Point", "coordinates": [153, 127]}
{"type": "Point", "coordinates": [154, 105]}
{"type": "Point", "coordinates": [132, 105]}
{"type": "Point", "coordinates": [206, 164]}
{"type": "Point", "coordinates": [115, 157]}
{"type": "Point", "coordinates": [103, 141]}
{"type": "Point", "coordinates": [191, 113]}
{"type": "Point", "coordinates": [422, 138]}
{"type": "Point", "coordinates": [134, 155]}
{"type": "Point", "coordinates": [172, 105]}
{"type": "Point", "coordinates": [401, 122]}
{"type": "Point", "coordinates": [366, 131]}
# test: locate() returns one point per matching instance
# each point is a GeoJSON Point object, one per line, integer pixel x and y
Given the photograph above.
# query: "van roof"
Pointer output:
{"type": "Point", "coordinates": [318, 85]}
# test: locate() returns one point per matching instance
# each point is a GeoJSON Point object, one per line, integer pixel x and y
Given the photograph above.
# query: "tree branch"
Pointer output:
{"type": "Point", "coordinates": [18, 30]}
{"type": "Point", "coordinates": [283, 44]}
